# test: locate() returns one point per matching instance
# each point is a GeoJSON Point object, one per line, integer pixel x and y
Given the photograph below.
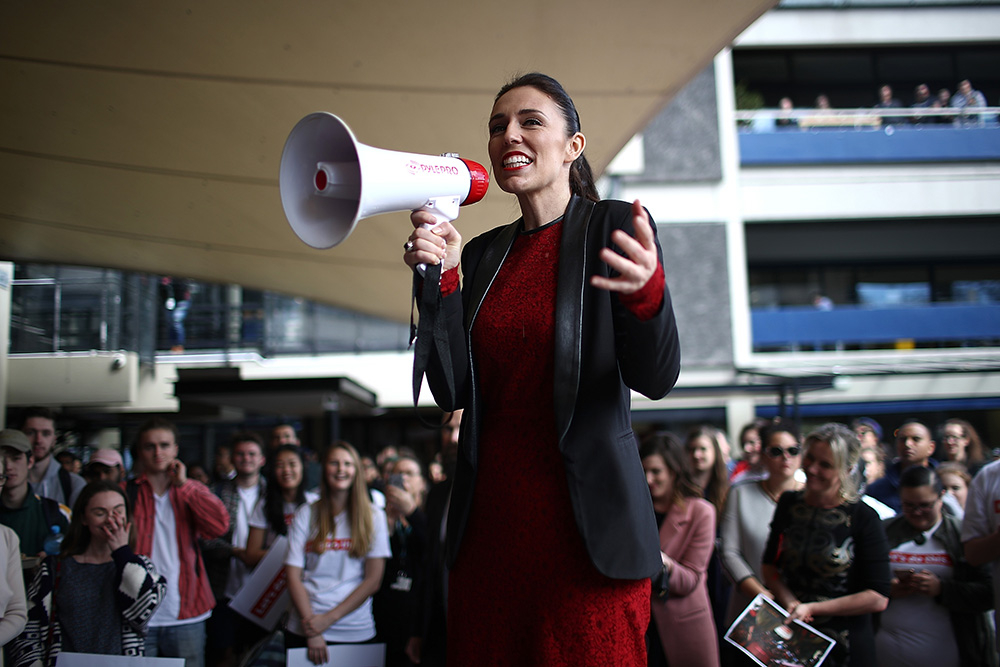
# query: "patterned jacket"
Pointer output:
{"type": "Point", "coordinates": [139, 589]}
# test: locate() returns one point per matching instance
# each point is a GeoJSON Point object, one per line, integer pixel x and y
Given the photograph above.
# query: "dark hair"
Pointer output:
{"type": "Point", "coordinates": [37, 411]}
{"type": "Point", "coordinates": [77, 536]}
{"type": "Point", "coordinates": [274, 501]}
{"type": "Point", "coordinates": [667, 446]}
{"type": "Point", "coordinates": [718, 482]}
{"type": "Point", "coordinates": [776, 426]}
{"type": "Point", "coordinates": [974, 452]}
{"type": "Point", "coordinates": [581, 177]}
{"type": "Point", "coordinates": [915, 476]}
{"type": "Point", "coordinates": [757, 424]}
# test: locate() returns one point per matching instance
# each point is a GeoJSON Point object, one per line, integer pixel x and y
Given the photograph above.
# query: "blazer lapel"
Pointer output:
{"type": "Point", "coordinates": [569, 311]}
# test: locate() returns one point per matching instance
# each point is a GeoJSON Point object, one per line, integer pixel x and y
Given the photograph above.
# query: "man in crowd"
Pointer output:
{"type": "Point", "coordinates": [171, 513]}
{"type": "Point", "coordinates": [48, 478]}
{"type": "Point", "coordinates": [105, 465]}
{"type": "Point", "coordinates": [229, 633]}
{"type": "Point", "coordinates": [914, 447]}
{"type": "Point", "coordinates": [24, 512]}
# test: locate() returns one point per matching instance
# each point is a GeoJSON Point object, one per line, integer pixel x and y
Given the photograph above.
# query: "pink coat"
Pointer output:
{"type": "Point", "coordinates": [684, 620]}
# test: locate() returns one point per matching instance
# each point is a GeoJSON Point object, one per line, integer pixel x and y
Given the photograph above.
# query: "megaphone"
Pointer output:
{"type": "Point", "coordinates": [329, 181]}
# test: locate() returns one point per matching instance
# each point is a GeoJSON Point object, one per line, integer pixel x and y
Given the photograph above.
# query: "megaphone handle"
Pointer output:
{"type": "Point", "coordinates": [444, 209]}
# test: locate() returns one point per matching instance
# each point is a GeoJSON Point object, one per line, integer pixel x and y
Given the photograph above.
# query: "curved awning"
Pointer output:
{"type": "Point", "coordinates": [147, 136]}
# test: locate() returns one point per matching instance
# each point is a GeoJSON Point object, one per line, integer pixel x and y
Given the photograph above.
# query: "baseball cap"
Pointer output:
{"type": "Point", "coordinates": [870, 423]}
{"type": "Point", "coordinates": [108, 457]}
{"type": "Point", "coordinates": [15, 440]}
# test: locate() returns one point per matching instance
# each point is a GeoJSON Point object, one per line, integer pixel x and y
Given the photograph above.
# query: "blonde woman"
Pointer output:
{"type": "Point", "coordinates": [827, 559]}
{"type": "Point", "coordinates": [336, 556]}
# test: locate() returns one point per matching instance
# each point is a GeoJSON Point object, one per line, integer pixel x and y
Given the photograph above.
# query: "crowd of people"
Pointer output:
{"type": "Point", "coordinates": [966, 106]}
{"type": "Point", "coordinates": [863, 540]}
{"type": "Point", "coordinates": [539, 544]}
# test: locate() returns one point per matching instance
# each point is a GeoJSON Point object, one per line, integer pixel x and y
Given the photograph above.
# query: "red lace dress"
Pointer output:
{"type": "Point", "coordinates": [523, 590]}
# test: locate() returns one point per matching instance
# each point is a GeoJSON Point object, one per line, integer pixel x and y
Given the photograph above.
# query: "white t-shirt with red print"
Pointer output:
{"type": "Point", "coordinates": [331, 576]}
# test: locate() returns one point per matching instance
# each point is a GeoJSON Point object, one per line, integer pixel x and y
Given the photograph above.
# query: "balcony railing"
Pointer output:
{"type": "Point", "coordinates": [852, 136]}
{"type": "Point", "coordinates": [860, 327]}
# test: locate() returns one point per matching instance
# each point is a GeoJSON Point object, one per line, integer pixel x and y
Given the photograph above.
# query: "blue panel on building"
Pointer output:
{"type": "Point", "coordinates": [893, 143]}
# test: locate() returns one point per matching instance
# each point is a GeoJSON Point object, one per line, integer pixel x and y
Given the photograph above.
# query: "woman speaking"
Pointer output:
{"type": "Point", "coordinates": [551, 536]}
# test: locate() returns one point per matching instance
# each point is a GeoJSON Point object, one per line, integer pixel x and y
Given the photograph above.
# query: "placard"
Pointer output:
{"type": "Point", "coordinates": [264, 596]}
{"type": "Point", "coordinates": [342, 655]}
{"type": "Point", "coordinates": [94, 660]}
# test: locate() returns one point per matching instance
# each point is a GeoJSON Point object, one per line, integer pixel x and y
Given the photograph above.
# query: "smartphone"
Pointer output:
{"type": "Point", "coordinates": [396, 480]}
{"type": "Point", "coordinates": [903, 575]}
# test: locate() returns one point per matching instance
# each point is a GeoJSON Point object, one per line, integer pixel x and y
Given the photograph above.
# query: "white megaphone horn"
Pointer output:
{"type": "Point", "coordinates": [329, 181]}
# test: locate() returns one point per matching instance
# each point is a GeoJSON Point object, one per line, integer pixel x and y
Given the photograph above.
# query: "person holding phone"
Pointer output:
{"type": "Point", "coordinates": [939, 603]}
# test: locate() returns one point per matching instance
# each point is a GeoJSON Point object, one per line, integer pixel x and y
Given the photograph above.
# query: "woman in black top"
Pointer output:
{"type": "Point", "coordinates": [827, 559]}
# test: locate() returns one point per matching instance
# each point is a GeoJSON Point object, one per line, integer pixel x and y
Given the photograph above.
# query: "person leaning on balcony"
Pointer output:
{"type": "Point", "coordinates": [965, 98]}
{"type": "Point", "coordinates": [922, 100]}
{"type": "Point", "coordinates": [887, 101]}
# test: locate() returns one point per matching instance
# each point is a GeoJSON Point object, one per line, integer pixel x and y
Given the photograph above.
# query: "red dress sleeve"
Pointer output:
{"type": "Point", "coordinates": [645, 303]}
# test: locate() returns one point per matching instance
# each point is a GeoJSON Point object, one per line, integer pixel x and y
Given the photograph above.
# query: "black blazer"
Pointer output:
{"type": "Point", "coordinates": [601, 351]}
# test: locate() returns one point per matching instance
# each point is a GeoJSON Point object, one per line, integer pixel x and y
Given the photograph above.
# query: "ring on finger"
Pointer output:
{"type": "Point", "coordinates": [408, 246]}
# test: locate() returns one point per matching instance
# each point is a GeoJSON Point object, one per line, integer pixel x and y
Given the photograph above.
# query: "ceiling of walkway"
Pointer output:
{"type": "Point", "coordinates": [147, 136]}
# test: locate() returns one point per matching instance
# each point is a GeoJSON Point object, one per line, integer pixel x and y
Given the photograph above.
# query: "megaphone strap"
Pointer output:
{"type": "Point", "coordinates": [430, 332]}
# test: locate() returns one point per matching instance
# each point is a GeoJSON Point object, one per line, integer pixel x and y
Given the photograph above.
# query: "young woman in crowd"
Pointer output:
{"type": "Point", "coordinates": [96, 596]}
{"type": "Point", "coordinates": [747, 515]}
{"type": "Point", "coordinates": [751, 465]}
{"type": "Point", "coordinates": [955, 479]}
{"type": "Point", "coordinates": [962, 444]}
{"type": "Point", "coordinates": [551, 539]}
{"type": "Point", "coordinates": [285, 493]}
{"type": "Point", "coordinates": [681, 630]}
{"type": "Point", "coordinates": [710, 474]}
{"type": "Point", "coordinates": [939, 604]}
{"type": "Point", "coordinates": [337, 548]}
{"type": "Point", "coordinates": [708, 465]}
{"type": "Point", "coordinates": [826, 559]}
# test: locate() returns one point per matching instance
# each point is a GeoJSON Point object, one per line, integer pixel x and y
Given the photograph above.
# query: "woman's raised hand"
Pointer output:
{"type": "Point", "coordinates": [640, 261]}
{"type": "Point", "coordinates": [440, 244]}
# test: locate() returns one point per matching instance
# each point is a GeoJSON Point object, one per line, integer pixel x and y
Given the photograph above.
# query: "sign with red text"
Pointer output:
{"type": "Point", "coordinates": [264, 596]}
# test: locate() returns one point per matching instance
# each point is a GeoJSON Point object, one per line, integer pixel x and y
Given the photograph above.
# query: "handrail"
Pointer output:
{"type": "Point", "coordinates": [865, 114]}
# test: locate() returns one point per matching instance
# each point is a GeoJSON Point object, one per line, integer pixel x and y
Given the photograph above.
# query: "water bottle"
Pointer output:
{"type": "Point", "coordinates": [53, 543]}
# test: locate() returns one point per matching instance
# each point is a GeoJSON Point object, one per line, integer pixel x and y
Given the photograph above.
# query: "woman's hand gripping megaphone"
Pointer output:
{"type": "Point", "coordinates": [434, 241]}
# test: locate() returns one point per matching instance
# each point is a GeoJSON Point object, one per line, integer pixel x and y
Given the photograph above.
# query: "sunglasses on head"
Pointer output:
{"type": "Point", "coordinates": [775, 452]}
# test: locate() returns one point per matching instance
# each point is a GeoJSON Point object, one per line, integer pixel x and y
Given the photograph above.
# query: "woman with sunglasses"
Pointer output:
{"type": "Point", "coordinates": [938, 606]}
{"type": "Point", "coordinates": [749, 506]}
{"type": "Point", "coordinates": [826, 559]}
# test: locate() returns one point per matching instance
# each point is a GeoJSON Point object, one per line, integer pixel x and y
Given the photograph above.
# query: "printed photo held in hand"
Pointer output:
{"type": "Point", "coordinates": [763, 632]}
